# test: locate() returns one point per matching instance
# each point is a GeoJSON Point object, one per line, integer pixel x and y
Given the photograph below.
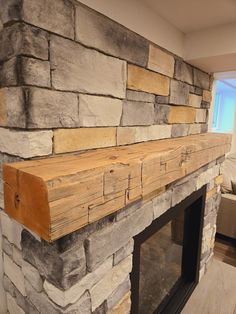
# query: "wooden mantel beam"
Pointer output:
{"type": "Point", "coordinates": [56, 196]}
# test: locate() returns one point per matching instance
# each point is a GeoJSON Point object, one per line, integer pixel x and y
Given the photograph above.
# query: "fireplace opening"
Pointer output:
{"type": "Point", "coordinates": [166, 258]}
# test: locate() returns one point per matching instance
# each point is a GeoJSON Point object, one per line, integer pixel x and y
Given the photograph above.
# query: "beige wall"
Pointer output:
{"type": "Point", "coordinates": [233, 148]}
{"type": "Point", "coordinates": [138, 17]}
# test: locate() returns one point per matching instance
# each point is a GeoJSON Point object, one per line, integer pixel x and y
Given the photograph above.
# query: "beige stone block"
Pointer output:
{"type": "Point", "coordinates": [195, 101]}
{"type": "Point", "coordinates": [17, 256]}
{"type": "Point", "coordinates": [160, 61]}
{"type": "Point", "coordinates": [126, 135]}
{"type": "Point", "coordinates": [99, 111]}
{"type": "Point", "coordinates": [11, 229]}
{"type": "Point", "coordinates": [14, 273]}
{"type": "Point", "coordinates": [194, 129]}
{"type": "Point", "coordinates": [207, 96]}
{"type": "Point", "coordinates": [32, 275]}
{"type": "Point", "coordinates": [147, 81]}
{"type": "Point", "coordinates": [201, 115]}
{"type": "Point", "coordinates": [181, 114]}
{"type": "Point", "coordinates": [130, 135]}
{"type": "Point", "coordinates": [12, 306]}
{"type": "Point", "coordinates": [26, 144]}
{"type": "Point", "coordinates": [153, 132]}
{"type": "Point", "coordinates": [110, 282]}
{"type": "Point", "coordinates": [70, 140]}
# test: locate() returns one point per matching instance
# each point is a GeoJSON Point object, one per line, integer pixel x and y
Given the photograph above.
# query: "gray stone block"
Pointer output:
{"type": "Point", "coordinates": [137, 113]}
{"type": "Point", "coordinates": [12, 290]}
{"type": "Point", "coordinates": [12, 107]}
{"type": "Point", "coordinates": [35, 72]}
{"type": "Point", "coordinates": [205, 105]}
{"type": "Point", "coordinates": [8, 73]}
{"type": "Point", "coordinates": [21, 39]}
{"type": "Point", "coordinates": [162, 203]}
{"type": "Point", "coordinates": [162, 99]}
{"type": "Point", "coordinates": [102, 309]}
{"type": "Point", "coordinates": [62, 270]}
{"type": "Point", "coordinates": [7, 246]}
{"type": "Point", "coordinates": [201, 79]}
{"type": "Point", "coordinates": [123, 252]}
{"type": "Point", "coordinates": [161, 113]}
{"type": "Point", "coordinates": [204, 128]}
{"type": "Point", "coordinates": [96, 30]}
{"type": "Point", "coordinates": [56, 16]}
{"type": "Point", "coordinates": [86, 70]}
{"type": "Point", "coordinates": [50, 109]}
{"type": "Point", "coordinates": [183, 190]}
{"type": "Point", "coordinates": [196, 90]}
{"type": "Point", "coordinates": [98, 248]}
{"type": "Point", "coordinates": [118, 294]}
{"type": "Point", "coordinates": [179, 130]}
{"type": "Point", "coordinates": [44, 305]}
{"type": "Point", "coordinates": [10, 10]}
{"type": "Point", "coordinates": [139, 96]}
{"type": "Point", "coordinates": [183, 71]}
{"type": "Point", "coordinates": [179, 93]}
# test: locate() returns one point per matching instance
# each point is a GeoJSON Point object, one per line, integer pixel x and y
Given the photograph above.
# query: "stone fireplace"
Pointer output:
{"type": "Point", "coordinates": [102, 138]}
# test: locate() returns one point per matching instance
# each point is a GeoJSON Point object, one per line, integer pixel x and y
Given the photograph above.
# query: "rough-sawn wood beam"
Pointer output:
{"type": "Point", "coordinates": [56, 196]}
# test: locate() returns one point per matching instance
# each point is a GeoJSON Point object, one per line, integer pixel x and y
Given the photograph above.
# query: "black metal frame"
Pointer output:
{"type": "Point", "coordinates": [193, 206]}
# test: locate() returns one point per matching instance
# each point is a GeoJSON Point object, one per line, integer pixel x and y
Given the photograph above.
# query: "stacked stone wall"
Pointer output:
{"type": "Point", "coordinates": [71, 80]}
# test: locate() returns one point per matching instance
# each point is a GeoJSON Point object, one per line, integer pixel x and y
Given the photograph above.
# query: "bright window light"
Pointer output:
{"type": "Point", "coordinates": [224, 108]}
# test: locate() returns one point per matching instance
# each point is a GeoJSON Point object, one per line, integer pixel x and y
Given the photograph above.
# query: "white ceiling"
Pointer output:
{"type": "Point", "coordinates": [194, 15]}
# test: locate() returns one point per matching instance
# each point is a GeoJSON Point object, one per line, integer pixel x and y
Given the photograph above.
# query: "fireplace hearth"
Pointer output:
{"type": "Point", "coordinates": [166, 258]}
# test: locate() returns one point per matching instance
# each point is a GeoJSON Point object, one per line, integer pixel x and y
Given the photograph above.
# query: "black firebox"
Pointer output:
{"type": "Point", "coordinates": [166, 258]}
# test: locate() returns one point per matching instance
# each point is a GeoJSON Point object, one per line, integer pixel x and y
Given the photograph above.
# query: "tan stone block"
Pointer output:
{"type": "Point", "coordinates": [219, 180]}
{"type": "Point", "coordinates": [211, 193]}
{"type": "Point", "coordinates": [123, 306]}
{"type": "Point", "coordinates": [195, 101]}
{"type": "Point", "coordinates": [160, 61]}
{"type": "Point", "coordinates": [147, 81]}
{"type": "Point", "coordinates": [181, 114]}
{"type": "Point", "coordinates": [207, 96]}
{"type": "Point", "coordinates": [70, 140]}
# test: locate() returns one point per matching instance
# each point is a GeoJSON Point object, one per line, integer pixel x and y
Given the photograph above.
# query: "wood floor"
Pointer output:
{"type": "Point", "coordinates": [216, 292]}
{"type": "Point", "coordinates": [225, 251]}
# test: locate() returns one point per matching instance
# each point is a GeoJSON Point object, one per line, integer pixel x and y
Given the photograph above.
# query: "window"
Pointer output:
{"type": "Point", "coordinates": [224, 108]}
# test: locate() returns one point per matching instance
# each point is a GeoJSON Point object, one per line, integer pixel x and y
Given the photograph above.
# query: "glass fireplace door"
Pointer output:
{"type": "Point", "coordinates": [166, 258]}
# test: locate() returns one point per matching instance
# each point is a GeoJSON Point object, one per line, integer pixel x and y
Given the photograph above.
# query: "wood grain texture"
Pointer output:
{"type": "Point", "coordinates": [56, 196]}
